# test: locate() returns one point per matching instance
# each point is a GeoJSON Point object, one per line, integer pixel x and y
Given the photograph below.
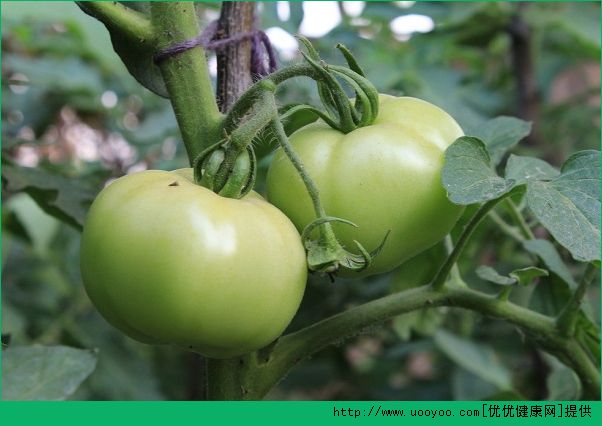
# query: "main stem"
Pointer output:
{"type": "Point", "coordinates": [233, 78]}
{"type": "Point", "coordinates": [186, 76]}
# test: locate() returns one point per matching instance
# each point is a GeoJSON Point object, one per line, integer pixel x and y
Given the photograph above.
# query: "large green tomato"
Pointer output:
{"type": "Point", "coordinates": [168, 261]}
{"type": "Point", "coordinates": [386, 176]}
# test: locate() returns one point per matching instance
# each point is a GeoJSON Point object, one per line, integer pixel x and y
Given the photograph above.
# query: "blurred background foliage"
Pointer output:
{"type": "Point", "coordinates": [73, 119]}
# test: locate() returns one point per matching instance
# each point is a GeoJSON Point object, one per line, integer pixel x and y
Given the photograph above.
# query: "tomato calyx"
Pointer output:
{"type": "Point", "coordinates": [343, 114]}
{"type": "Point", "coordinates": [234, 179]}
{"type": "Point", "coordinates": [229, 167]}
{"type": "Point", "coordinates": [327, 255]}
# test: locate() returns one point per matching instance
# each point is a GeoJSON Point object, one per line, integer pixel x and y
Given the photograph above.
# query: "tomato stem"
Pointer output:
{"type": "Point", "coordinates": [441, 276]}
{"type": "Point", "coordinates": [186, 76]}
{"type": "Point", "coordinates": [128, 22]}
{"type": "Point", "coordinates": [567, 320]}
{"type": "Point", "coordinates": [516, 215]}
{"type": "Point", "coordinates": [311, 187]}
{"type": "Point", "coordinates": [251, 376]}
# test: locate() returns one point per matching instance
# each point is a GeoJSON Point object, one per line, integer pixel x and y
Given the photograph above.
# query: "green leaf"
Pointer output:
{"type": "Point", "coordinates": [525, 276]}
{"type": "Point", "coordinates": [562, 382]}
{"type": "Point", "coordinates": [137, 55]}
{"type": "Point", "coordinates": [60, 75]}
{"type": "Point", "coordinates": [506, 396]}
{"type": "Point", "coordinates": [546, 251]}
{"type": "Point", "coordinates": [525, 169]}
{"type": "Point", "coordinates": [578, 23]}
{"type": "Point", "coordinates": [61, 197]}
{"type": "Point", "coordinates": [139, 60]}
{"type": "Point", "coordinates": [467, 386]}
{"type": "Point", "coordinates": [44, 373]}
{"type": "Point", "coordinates": [522, 276]}
{"type": "Point", "coordinates": [296, 117]}
{"type": "Point", "coordinates": [424, 322]}
{"type": "Point", "coordinates": [477, 358]}
{"type": "Point", "coordinates": [468, 175]}
{"type": "Point", "coordinates": [39, 226]}
{"type": "Point", "coordinates": [487, 273]}
{"type": "Point", "coordinates": [569, 205]}
{"type": "Point", "coordinates": [500, 134]}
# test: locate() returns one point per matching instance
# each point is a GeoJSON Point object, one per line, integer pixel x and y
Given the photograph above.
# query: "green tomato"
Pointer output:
{"type": "Point", "coordinates": [168, 261]}
{"type": "Point", "coordinates": [386, 176]}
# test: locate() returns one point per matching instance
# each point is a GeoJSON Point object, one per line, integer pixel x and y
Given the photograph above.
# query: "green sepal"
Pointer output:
{"type": "Point", "coordinates": [238, 181]}
{"type": "Point", "coordinates": [326, 254]}
{"type": "Point", "coordinates": [241, 179]}
{"type": "Point", "coordinates": [351, 61]}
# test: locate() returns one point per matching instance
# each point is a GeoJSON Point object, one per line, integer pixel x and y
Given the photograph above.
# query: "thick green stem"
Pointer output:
{"type": "Point", "coordinates": [439, 280]}
{"type": "Point", "coordinates": [117, 17]}
{"type": "Point", "coordinates": [250, 377]}
{"type": "Point", "coordinates": [258, 372]}
{"type": "Point", "coordinates": [186, 76]}
{"type": "Point", "coordinates": [567, 320]}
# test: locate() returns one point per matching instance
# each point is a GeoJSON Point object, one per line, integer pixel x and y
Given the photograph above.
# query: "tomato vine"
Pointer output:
{"type": "Point", "coordinates": [215, 144]}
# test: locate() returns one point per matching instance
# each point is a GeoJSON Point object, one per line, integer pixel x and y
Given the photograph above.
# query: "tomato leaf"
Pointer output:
{"type": "Point", "coordinates": [546, 251]}
{"type": "Point", "coordinates": [44, 373]}
{"type": "Point", "coordinates": [510, 395]}
{"type": "Point", "coordinates": [137, 55]}
{"type": "Point", "coordinates": [523, 277]}
{"type": "Point", "coordinates": [479, 359]}
{"type": "Point", "coordinates": [424, 322]}
{"type": "Point", "coordinates": [525, 169]}
{"type": "Point", "coordinates": [467, 386]}
{"type": "Point", "coordinates": [296, 116]}
{"type": "Point", "coordinates": [66, 199]}
{"type": "Point", "coordinates": [569, 205]}
{"type": "Point", "coordinates": [487, 273]}
{"type": "Point", "coordinates": [500, 134]}
{"type": "Point", "coordinates": [562, 382]}
{"type": "Point", "coordinates": [468, 174]}
{"type": "Point", "coordinates": [139, 61]}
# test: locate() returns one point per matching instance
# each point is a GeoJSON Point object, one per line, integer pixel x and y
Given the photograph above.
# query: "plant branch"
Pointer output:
{"type": "Point", "coordinates": [186, 76]}
{"type": "Point", "coordinates": [262, 370]}
{"type": "Point", "coordinates": [588, 372]}
{"type": "Point", "coordinates": [567, 319]}
{"type": "Point", "coordinates": [250, 377]}
{"type": "Point", "coordinates": [249, 97]}
{"type": "Point", "coordinates": [128, 22]}
{"type": "Point", "coordinates": [294, 158]}
{"type": "Point", "coordinates": [506, 228]}
{"type": "Point", "coordinates": [439, 280]}
{"type": "Point", "coordinates": [518, 218]}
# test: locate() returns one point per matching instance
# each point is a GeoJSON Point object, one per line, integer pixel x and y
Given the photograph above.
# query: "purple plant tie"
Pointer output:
{"type": "Point", "coordinates": [260, 47]}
